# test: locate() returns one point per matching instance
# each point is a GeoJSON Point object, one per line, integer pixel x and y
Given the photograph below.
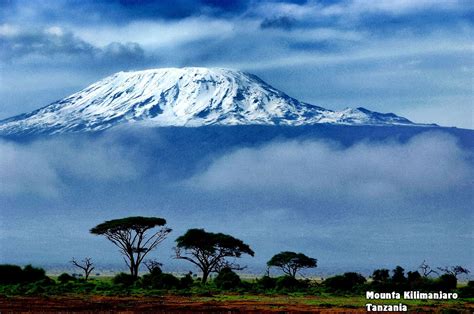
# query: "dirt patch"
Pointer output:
{"type": "Point", "coordinates": [166, 304]}
{"type": "Point", "coordinates": [174, 304]}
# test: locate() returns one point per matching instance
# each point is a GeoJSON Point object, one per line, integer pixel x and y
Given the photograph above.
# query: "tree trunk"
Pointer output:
{"type": "Point", "coordinates": [134, 270]}
{"type": "Point", "coordinates": [293, 273]}
{"type": "Point", "coordinates": [205, 274]}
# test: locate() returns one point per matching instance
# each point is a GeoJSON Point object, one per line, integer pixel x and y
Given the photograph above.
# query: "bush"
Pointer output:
{"type": "Point", "coordinates": [348, 282]}
{"type": "Point", "coordinates": [159, 280]}
{"type": "Point", "coordinates": [467, 291]}
{"type": "Point", "coordinates": [446, 282]}
{"type": "Point", "coordinates": [287, 283]}
{"type": "Point", "coordinates": [64, 277]}
{"type": "Point", "coordinates": [267, 283]}
{"type": "Point", "coordinates": [124, 279]}
{"type": "Point", "coordinates": [186, 281]}
{"type": "Point", "coordinates": [380, 276]}
{"type": "Point", "coordinates": [33, 274]}
{"type": "Point", "coordinates": [227, 279]}
{"type": "Point", "coordinates": [10, 274]}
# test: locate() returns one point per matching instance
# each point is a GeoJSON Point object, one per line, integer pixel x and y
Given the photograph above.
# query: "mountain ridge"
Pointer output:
{"type": "Point", "coordinates": [185, 97]}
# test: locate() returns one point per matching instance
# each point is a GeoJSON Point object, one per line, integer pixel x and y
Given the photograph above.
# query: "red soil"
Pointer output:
{"type": "Point", "coordinates": [166, 304]}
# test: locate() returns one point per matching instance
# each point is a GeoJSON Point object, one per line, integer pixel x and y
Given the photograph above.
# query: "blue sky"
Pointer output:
{"type": "Point", "coordinates": [414, 58]}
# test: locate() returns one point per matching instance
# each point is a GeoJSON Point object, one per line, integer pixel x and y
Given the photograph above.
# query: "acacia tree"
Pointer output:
{"type": "Point", "coordinates": [290, 262]}
{"type": "Point", "coordinates": [454, 270]}
{"type": "Point", "coordinates": [87, 266]}
{"type": "Point", "coordinates": [134, 238]}
{"type": "Point", "coordinates": [209, 251]}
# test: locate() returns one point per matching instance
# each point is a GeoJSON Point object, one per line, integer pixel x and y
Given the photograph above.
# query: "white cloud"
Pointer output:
{"type": "Point", "coordinates": [24, 171]}
{"type": "Point", "coordinates": [7, 30]}
{"type": "Point", "coordinates": [157, 34]}
{"type": "Point", "coordinates": [426, 167]}
{"type": "Point", "coordinates": [55, 30]}
{"type": "Point", "coordinates": [42, 168]}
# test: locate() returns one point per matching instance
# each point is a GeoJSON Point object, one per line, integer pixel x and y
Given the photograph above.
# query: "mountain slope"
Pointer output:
{"type": "Point", "coordinates": [183, 97]}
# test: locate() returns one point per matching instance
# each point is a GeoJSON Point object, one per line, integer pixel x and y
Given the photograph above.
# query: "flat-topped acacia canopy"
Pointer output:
{"type": "Point", "coordinates": [133, 237]}
{"type": "Point", "coordinates": [133, 223]}
{"type": "Point", "coordinates": [290, 262]}
{"type": "Point", "coordinates": [208, 250]}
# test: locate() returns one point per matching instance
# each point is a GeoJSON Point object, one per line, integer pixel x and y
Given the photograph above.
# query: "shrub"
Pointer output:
{"type": "Point", "coordinates": [227, 279]}
{"type": "Point", "coordinates": [467, 291]}
{"type": "Point", "coordinates": [446, 282]}
{"type": "Point", "coordinates": [267, 283]}
{"type": "Point", "coordinates": [33, 274]}
{"type": "Point", "coordinates": [288, 283]}
{"type": "Point", "coordinates": [64, 277]}
{"type": "Point", "coordinates": [34, 289]}
{"type": "Point", "coordinates": [398, 276]}
{"type": "Point", "coordinates": [124, 279]}
{"type": "Point", "coordinates": [10, 274]}
{"type": "Point", "coordinates": [186, 281]}
{"type": "Point", "coordinates": [159, 280]}
{"type": "Point", "coordinates": [381, 275]}
{"type": "Point", "coordinates": [348, 282]}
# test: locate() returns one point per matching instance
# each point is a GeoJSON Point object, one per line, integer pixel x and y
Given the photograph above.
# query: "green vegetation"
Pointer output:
{"type": "Point", "coordinates": [227, 279]}
{"type": "Point", "coordinates": [346, 283]}
{"type": "Point", "coordinates": [211, 252]}
{"type": "Point", "coordinates": [158, 283]}
{"type": "Point", "coordinates": [12, 274]}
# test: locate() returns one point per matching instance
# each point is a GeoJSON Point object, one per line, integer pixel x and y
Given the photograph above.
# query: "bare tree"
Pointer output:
{"type": "Point", "coordinates": [153, 265]}
{"type": "Point", "coordinates": [426, 270]}
{"type": "Point", "coordinates": [454, 270]}
{"type": "Point", "coordinates": [86, 265]}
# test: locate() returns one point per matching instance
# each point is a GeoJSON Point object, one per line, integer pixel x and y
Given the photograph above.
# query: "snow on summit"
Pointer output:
{"type": "Point", "coordinates": [188, 97]}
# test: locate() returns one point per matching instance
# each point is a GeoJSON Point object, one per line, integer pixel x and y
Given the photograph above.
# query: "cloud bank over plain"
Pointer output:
{"type": "Point", "coordinates": [427, 165]}
{"type": "Point", "coordinates": [336, 202]}
{"type": "Point", "coordinates": [43, 168]}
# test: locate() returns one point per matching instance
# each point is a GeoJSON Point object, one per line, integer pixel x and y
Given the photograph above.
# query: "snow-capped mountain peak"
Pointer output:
{"type": "Point", "coordinates": [189, 97]}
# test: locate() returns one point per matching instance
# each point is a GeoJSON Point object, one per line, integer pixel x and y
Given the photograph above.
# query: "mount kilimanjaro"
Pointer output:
{"type": "Point", "coordinates": [188, 97]}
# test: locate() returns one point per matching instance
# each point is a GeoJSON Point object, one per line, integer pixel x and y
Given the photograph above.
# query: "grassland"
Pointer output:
{"type": "Point", "coordinates": [102, 295]}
